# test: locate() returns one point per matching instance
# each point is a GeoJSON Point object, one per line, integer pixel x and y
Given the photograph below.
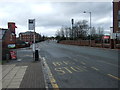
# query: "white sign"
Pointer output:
{"type": "Point", "coordinates": [11, 45]}
{"type": "Point", "coordinates": [31, 23]}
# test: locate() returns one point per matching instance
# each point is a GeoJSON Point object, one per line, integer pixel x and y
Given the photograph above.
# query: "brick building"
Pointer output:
{"type": "Point", "coordinates": [28, 36]}
{"type": "Point", "coordinates": [8, 35]}
{"type": "Point", "coordinates": [7, 38]}
{"type": "Point", "coordinates": [116, 16]}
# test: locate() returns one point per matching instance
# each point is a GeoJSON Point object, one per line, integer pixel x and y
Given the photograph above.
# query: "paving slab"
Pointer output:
{"type": "Point", "coordinates": [22, 74]}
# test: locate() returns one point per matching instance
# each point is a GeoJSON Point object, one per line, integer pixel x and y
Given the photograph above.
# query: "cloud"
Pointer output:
{"type": "Point", "coordinates": [50, 16]}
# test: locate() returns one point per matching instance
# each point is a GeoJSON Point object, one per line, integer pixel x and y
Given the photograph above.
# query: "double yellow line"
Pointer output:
{"type": "Point", "coordinates": [51, 78]}
{"type": "Point", "coordinates": [113, 76]}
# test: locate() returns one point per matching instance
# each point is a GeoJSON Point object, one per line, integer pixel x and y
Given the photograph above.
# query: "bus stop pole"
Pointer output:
{"type": "Point", "coordinates": [34, 42]}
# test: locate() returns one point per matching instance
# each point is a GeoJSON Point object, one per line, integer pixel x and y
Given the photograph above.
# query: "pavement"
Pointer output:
{"type": "Point", "coordinates": [23, 73]}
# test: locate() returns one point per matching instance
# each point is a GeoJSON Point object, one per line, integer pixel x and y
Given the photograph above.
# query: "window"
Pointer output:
{"type": "Point", "coordinates": [119, 24]}
{"type": "Point", "coordinates": [119, 15]}
{"type": "Point", "coordinates": [119, 12]}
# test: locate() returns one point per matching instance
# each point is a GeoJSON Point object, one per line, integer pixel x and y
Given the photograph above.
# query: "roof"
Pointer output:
{"type": "Point", "coordinates": [28, 33]}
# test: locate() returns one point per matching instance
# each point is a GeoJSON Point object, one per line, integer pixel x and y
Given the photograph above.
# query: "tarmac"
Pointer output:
{"type": "Point", "coordinates": [23, 73]}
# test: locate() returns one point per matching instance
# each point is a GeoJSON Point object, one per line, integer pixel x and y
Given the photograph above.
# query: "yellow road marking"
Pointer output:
{"type": "Point", "coordinates": [80, 68]}
{"type": "Point", "coordinates": [68, 70]}
{"type": "Point", "coordinates": [60, 70]}
{"type": "Point", "coordinates": [52, 79]}
{"type": "Point", "coordinates": [113, 76]}
{"type": "Point", "coordinates": [83, 63]}
{"type": "Point", "coordinates": [94, 68]}
{"type": "Point", "coordinates": [74, 69]}
{"type": "Point", "coordinates": [65, 62]}
{"type": "Point", "coordinates": [55, 87]}
{"type": "Point", "coordinates": [57, 63]}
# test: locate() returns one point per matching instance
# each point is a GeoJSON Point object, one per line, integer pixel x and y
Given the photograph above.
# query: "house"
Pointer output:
{"type": "Point", "coordinates": [28, 37]}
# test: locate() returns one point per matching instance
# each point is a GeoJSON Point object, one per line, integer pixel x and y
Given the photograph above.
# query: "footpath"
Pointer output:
{"type": "Point", "coordinates": [23, 73]}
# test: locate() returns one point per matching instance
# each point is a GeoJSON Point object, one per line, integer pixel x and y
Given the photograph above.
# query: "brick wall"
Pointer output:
{"type": "Point", "coordinates": [87, 43]}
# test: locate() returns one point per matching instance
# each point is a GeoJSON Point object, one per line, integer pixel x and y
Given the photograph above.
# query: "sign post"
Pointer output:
{"type": "Point", "coordinates": [32, 27]}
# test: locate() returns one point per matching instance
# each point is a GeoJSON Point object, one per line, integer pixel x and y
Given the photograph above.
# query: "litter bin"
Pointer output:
{"type": "Point", "coordinates": [36, 55]}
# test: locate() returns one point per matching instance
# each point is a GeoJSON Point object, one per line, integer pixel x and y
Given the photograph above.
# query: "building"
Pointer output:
{"type": "Point", "coordinates": [116, 16]}
{"type": "Point", "coordinates": [7, 39]}
{"type": "Point", "coordinates": [8, 36]}
{"type": "Point", "coordinates": [28, 36]}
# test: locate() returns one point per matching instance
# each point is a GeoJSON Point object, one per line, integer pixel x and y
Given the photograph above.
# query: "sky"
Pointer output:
{"type": "Point", "coordinates": [50, 16]}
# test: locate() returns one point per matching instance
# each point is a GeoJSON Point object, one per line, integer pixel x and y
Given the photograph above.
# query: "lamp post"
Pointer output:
{"type": "Point", "coordinates": [90, 25]}
{"type": "Point", "coordinates": [72, 20]}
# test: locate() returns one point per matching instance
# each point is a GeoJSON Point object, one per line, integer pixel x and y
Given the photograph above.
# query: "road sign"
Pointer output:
{"type": "Point", "coordinates": [31, 23]}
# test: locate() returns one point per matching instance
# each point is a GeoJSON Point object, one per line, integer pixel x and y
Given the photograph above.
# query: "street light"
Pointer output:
{"type": "Point", "coordinates": [72, 20]}
{"type": "Point", "coordinates": [90, 25]}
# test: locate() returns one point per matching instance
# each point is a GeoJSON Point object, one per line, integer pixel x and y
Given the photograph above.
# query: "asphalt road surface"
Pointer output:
{"type": "Point", "coordinates": [70, 66]}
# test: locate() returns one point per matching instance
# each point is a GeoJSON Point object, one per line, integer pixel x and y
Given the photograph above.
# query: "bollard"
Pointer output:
{"type": "Point", "coordinates": [36, 55]}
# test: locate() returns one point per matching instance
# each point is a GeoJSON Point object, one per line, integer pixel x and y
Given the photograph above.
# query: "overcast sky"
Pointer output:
{"type": "Point", "coordinates": [50, 16]}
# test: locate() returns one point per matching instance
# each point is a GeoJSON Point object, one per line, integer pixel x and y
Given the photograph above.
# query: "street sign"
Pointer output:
{"type": "Point", "coordinates": [31, 23]}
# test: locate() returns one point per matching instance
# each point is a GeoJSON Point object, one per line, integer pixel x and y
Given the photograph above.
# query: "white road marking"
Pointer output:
{"type": "Point", "coordinates": [19, 60]}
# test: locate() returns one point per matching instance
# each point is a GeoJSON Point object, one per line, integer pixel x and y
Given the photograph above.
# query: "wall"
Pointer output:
{"type": "Point", "coordinates": [93, 44]}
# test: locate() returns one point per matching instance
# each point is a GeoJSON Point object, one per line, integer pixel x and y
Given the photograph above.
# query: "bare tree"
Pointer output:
{"type": "Point", "coordinates": [93, 31]}
{"type": "Point", "coordinates": [100, 31]}
{"type": "Point", "coordinates": [78, 31]}
{"type": "Point", "coordinates": [81, 29]}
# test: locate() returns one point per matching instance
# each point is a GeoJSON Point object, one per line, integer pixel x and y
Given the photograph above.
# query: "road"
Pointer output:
{"type": "Point", "coordinates": [70, 66]}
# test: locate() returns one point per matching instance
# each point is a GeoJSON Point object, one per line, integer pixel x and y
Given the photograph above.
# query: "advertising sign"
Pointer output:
{"type": "Point", "coordinates": [11, 45]}
{"type": "Point", "coordinates": [31, 23]}
{"type": "Point", "coordinates": [106, 37]}
{"type": "Point", "coordinates": [13, 55]}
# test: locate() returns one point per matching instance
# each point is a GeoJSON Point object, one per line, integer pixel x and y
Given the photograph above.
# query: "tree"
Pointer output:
{"type": "Point", "coordinates": [81, 29]}
{"type": "Point", "coordinates": [78, 31]}
{"type": "Point", "coordinates": [100, 31]}
{"type": "Point", "coordinates": [93, 31]}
